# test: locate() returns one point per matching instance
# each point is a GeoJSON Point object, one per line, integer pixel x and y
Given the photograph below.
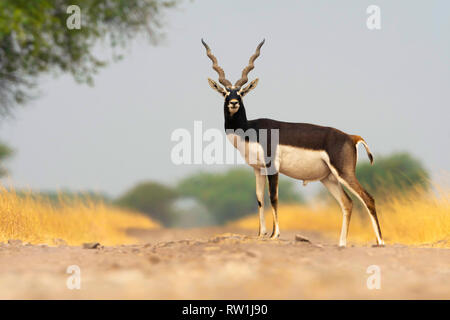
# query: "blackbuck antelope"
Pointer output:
{"type": "Point", "coordinates": [304, 151]}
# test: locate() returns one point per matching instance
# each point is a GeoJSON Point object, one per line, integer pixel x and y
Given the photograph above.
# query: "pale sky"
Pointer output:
{"type": "Point", "coordinates": [320, 64]}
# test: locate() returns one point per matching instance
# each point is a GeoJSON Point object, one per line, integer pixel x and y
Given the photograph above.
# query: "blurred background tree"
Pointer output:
{"type": "Point", "coordinates": [231, 195]}
{"type": "Point", "coordinates": [34, 39]}
{"type": "Point", "coordinates": [203, 198]}
{"type": "Point", "coordinates": [393, 174]}
{"type": "Point", "coordinates": [152, 198]}
{"type": "Point", "coordinates": [5, 153]}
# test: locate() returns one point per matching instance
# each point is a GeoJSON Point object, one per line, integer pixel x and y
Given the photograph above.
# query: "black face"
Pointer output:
{"type": "Point", "coordinates": [233, 101]}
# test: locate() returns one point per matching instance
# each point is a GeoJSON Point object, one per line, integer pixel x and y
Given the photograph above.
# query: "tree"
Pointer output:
{"type": "Point", "coordinates": [230, 195]}
{"type": "Point", "coordinates": [35, 39]}
{"type": "Point", "coordinates": [5, 153]}
{"type": "Point", "coordinates": [393, 174]}
{"type": "Point", "coordinates": [152, 198]}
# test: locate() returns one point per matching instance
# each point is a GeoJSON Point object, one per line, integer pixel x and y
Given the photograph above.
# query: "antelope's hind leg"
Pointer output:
{"type": "Point", "coordinates": [260, 188]}
{"type": "Point", "coordinates": [342, 163]}
{"type": "Point", "coordinates": [350, 181]}
{"type": "Point", "coordinates": [346, 203]}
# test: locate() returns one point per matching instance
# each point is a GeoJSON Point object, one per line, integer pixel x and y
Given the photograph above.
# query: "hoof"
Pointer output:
{"type": "Point", "coordinates": [379, 244]}
{"type": "Point", "coordinates": [262, 235]}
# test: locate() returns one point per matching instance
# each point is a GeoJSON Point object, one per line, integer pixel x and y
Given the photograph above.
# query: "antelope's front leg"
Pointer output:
{"type": "Point", "coordinates": [260, 186]}
{"type": "Point", "coordinates": [273, 192]}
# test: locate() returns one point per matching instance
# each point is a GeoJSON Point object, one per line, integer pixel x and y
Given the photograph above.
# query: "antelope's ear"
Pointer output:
{"type": "Point", "coordinates": [250, 87]}
{"type": "Point", "coordinates": [217, 87]}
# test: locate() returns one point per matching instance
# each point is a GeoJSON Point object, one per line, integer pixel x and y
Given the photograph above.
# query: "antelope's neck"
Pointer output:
{"type": "Point", "coordinates": [236, 121]}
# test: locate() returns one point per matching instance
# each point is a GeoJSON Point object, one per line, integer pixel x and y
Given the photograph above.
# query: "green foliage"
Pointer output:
{"type": "Point", "coordinates": [5, 153]}
{"type": "Point", "coordinates": [287, 192]}
{"type": "Point", "coordinates": [230, 195]}
{"type": "Point", "coordinates": [34, 38]}
{"type": "Point", "coordinates": [152, 198]}
{"type": "Point", "coordinates": [393, 174]}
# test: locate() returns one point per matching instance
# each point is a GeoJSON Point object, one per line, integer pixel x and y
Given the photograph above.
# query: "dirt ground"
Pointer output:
{"type": "Point", "coordinates": [223, 263]}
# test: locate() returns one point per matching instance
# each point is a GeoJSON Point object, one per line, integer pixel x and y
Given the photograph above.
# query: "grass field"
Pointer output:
{"type": "Point", "coordinates": [37, 220]}
{"type": "Point", "coordinates": [419, 218]}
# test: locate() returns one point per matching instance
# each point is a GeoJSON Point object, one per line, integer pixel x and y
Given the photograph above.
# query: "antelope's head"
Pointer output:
{"type": "Point", "coordinates": [233, 94]}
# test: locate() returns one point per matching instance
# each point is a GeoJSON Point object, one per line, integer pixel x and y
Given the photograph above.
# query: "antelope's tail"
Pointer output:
{"type": "Point", "coordinates": [358, 139]}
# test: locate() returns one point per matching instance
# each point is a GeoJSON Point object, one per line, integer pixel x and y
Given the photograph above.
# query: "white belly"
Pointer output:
{"type": "Point", "coordinates": [297, 163]}
{"type": "Point", "coordinates": [303, 164]}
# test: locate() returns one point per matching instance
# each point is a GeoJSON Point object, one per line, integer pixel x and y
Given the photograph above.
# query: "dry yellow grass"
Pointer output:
{"type": "Point", "coordinates": [36, 220]}
{"type": "Point", "coordinates": [421, 219]}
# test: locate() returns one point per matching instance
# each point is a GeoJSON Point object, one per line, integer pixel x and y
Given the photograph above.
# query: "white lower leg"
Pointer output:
{"type": "Point", "coordinates": [262, 222]}
{"type": "Point", "coordinates": [260, 186]}
{"type": "Point", "coordinates": [332, 184]}
{"type": "Point", "coordinates": [276, 228]}
{"type": "Point", "coordinates": [344, 230]}
{"type": "Point", "coordinates": [377, 232]}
